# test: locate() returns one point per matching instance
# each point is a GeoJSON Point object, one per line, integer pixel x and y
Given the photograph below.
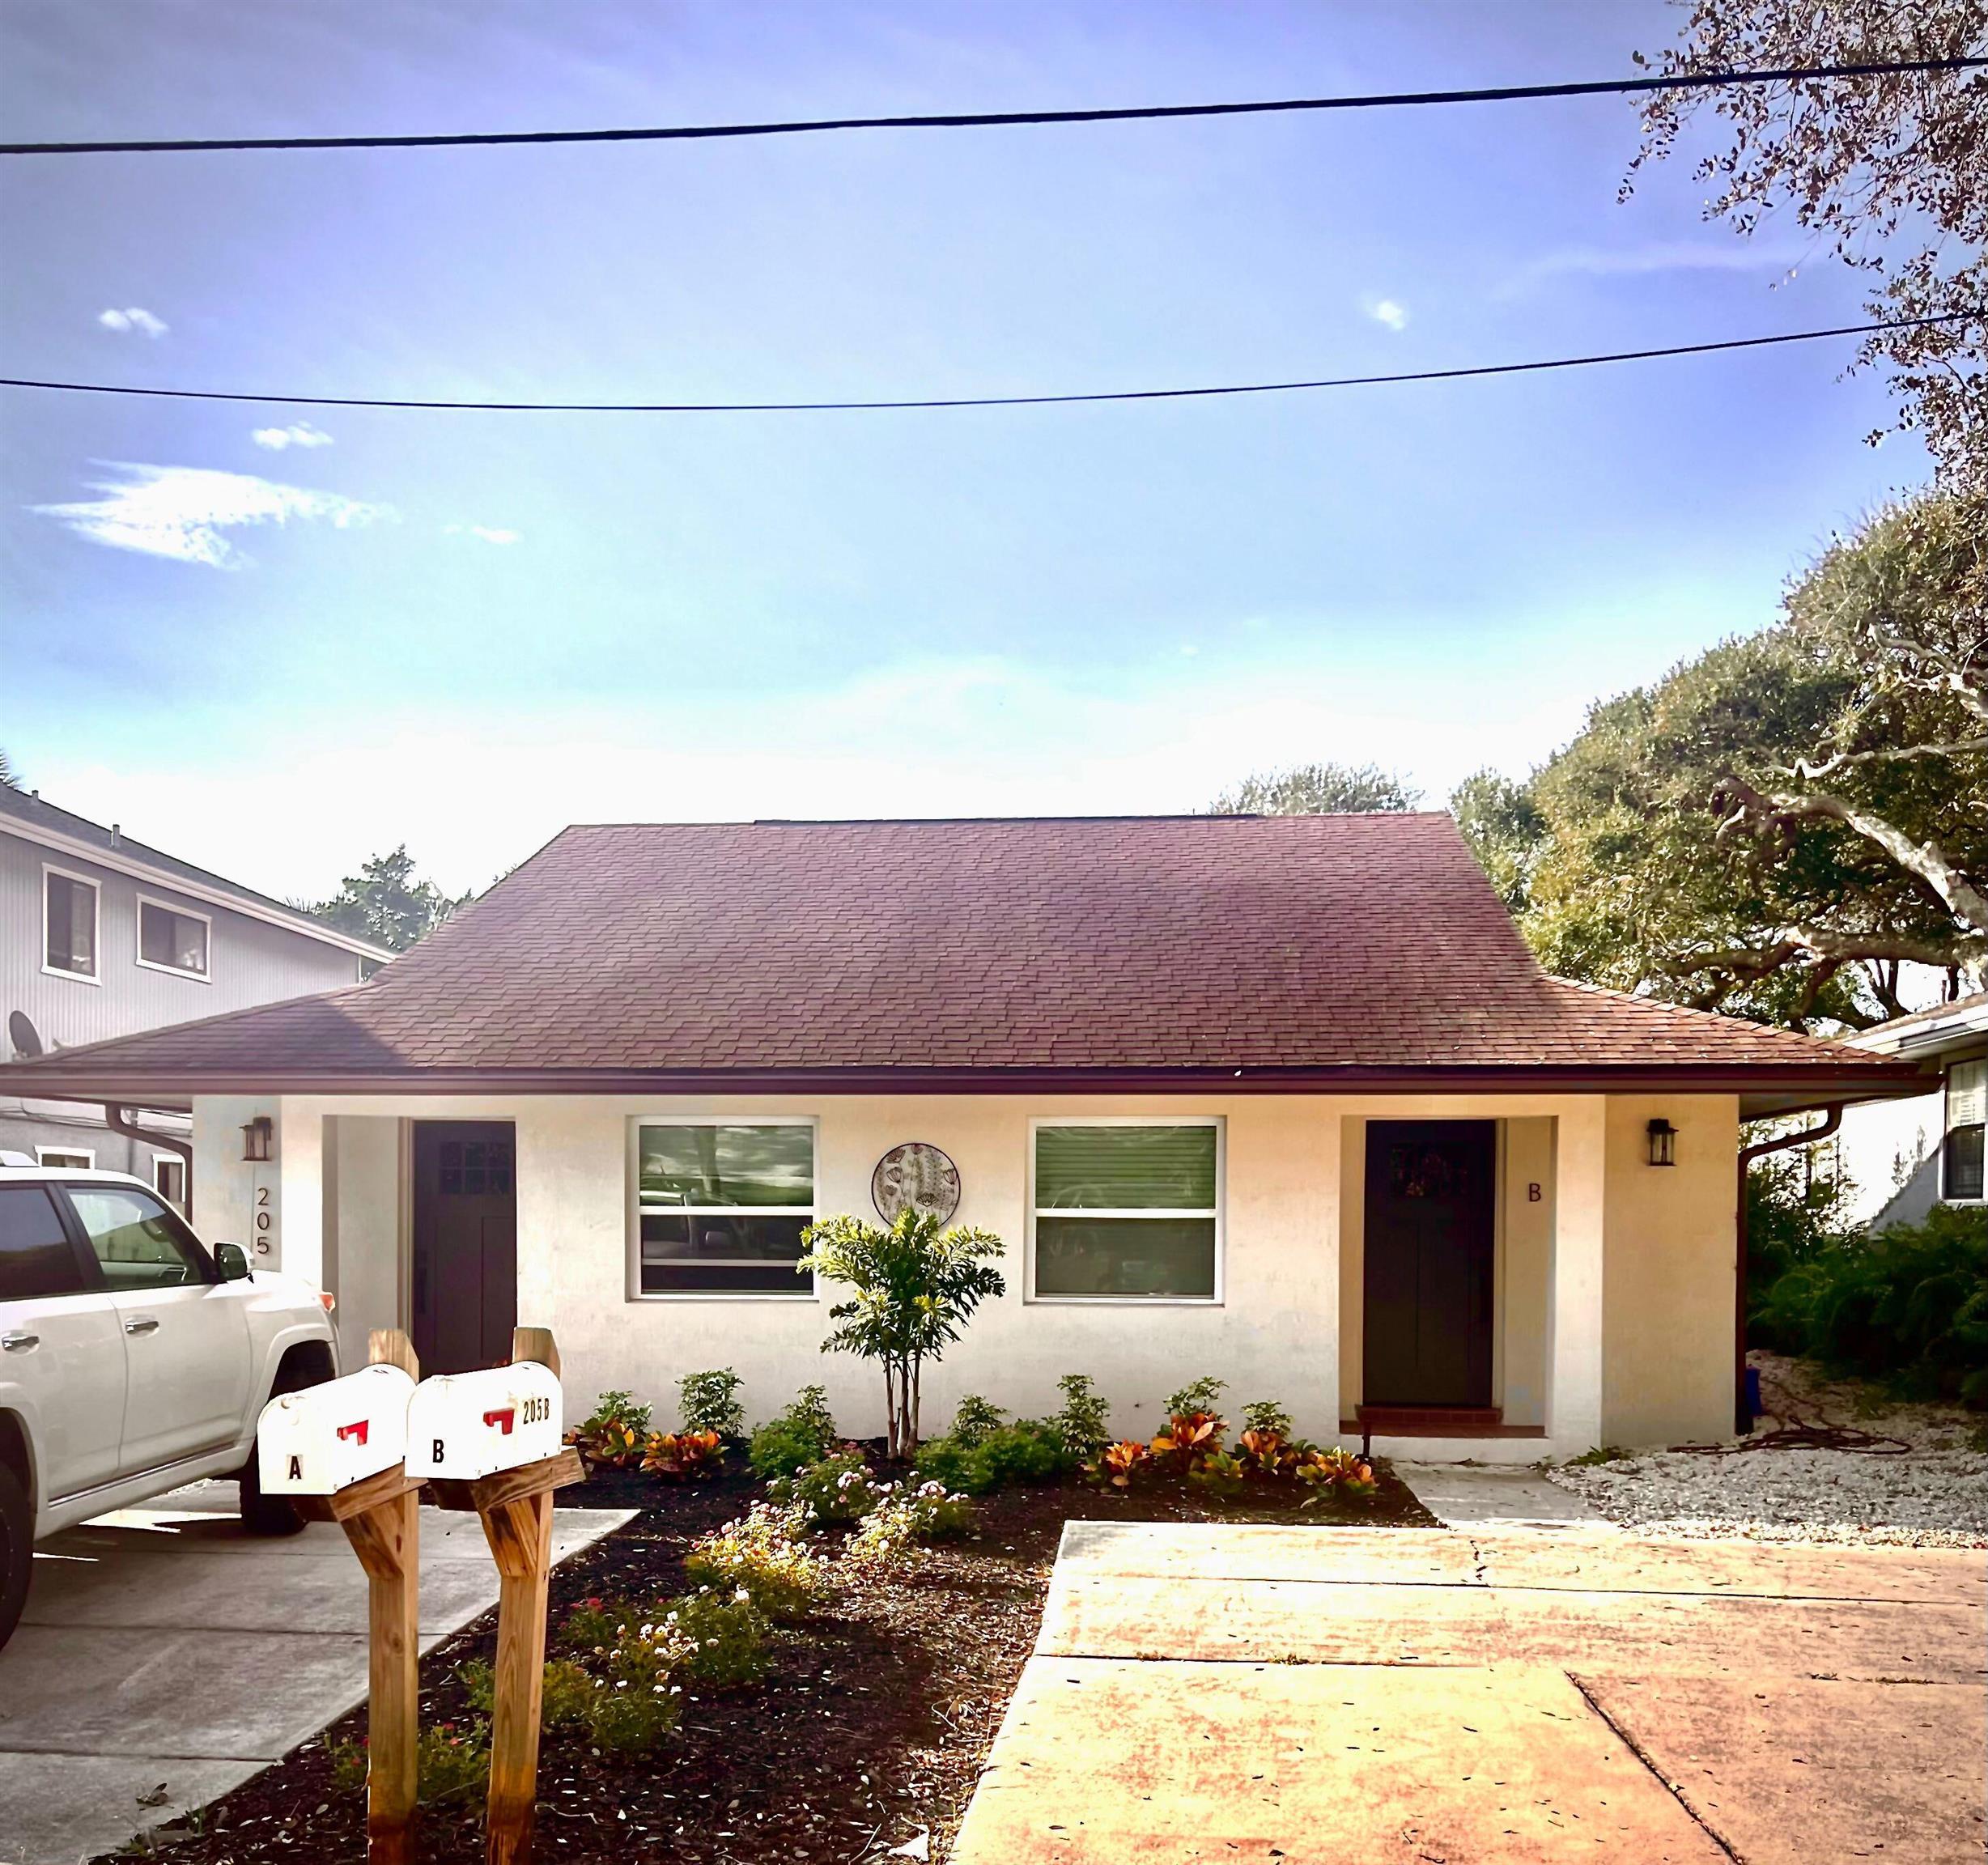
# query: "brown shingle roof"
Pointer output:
{"type": "Point", "coordinates": [1280, 947]}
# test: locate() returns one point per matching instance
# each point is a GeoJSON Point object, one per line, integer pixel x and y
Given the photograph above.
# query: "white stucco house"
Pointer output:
{"type": "Point", "coordinates": [1904, 1157]}
{"type": "Point", "coordinates": [1282, 1100]}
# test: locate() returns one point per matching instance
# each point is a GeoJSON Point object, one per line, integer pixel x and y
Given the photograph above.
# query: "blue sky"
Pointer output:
{"type": "Point", "coordinates": [275, 646]}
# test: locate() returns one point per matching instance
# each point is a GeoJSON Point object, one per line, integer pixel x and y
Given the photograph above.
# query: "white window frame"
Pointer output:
{"type": "Point", "coordinates": [631, 1174]}
{"type": "Point", "coordinates": [138, 927]}
{"type": "Point", "coordinates": [1947, 1126]}
{"type": "Point", "coordinates": [160, 1159]}
{"type": "Point", "coordinates": [87, 1154]}
{"type": "Point", "coordinates": [1219, 1298]}
{"type": "Point", "coordinates": [96, 925]}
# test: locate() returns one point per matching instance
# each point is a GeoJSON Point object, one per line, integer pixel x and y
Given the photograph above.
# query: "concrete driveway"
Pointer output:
{"type": "Point", "coordinates": [1443, 1698]}
{"type": "Point", "coordinates": [165, 1657]}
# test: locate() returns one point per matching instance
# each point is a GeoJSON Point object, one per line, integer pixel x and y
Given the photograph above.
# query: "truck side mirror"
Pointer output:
{"type": "Point", "coordinates": [232, 1261]}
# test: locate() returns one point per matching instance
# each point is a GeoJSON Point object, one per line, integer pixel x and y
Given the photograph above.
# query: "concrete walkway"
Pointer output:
{"type": "Point", "coordinates": [1322, 1695]}
{"type": "Point", "coordinates": [165, 1657]}
{"type": "Point", "coordinates": [1466, 1495]}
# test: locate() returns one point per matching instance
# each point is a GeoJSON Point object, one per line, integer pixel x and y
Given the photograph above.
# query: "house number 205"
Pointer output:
{"type": "Point", "coordinates": [264, 1221]}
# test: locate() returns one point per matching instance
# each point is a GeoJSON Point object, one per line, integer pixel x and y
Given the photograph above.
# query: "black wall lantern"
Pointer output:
{"type": "Point", "coordinates": [256, 1135]}
{"type": "Point", "coordinates": [1662, 1142]}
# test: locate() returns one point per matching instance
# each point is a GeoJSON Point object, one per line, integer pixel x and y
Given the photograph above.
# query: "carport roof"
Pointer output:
{"type": "Point", "coordinates": [1134, 953]}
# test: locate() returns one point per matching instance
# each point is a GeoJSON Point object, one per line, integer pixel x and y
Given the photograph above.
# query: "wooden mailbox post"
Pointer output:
{"type": "Point", "coordinates": [380, 1516]}
{"type": "Point", "coordinates": [515, 1505]}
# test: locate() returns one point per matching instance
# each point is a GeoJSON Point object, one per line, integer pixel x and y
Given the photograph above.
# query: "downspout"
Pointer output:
{"type": "Point", "coordinates": [120, 1122]}
{"type": "Point", "coordinates": [1832, 1119]}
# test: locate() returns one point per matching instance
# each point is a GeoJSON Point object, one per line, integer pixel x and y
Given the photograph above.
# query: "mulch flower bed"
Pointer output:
{"type": "Point", "coordinates": [869, 1728]}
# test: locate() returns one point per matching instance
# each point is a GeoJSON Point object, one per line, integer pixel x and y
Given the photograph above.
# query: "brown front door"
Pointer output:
{"type": "Point", "coordinates": [1431, 1188]}
{"type": "Point", "coordinates": [465, 1244]}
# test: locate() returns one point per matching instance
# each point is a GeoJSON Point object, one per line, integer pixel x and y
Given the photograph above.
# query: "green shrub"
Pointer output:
{"type": "Point", "coordinates": [568, 1691]}
{"type": "Point", "coordinates": [1083, 1421]}
{"type": "Point", "coordinates": [593, 1624]}
{"type": "Point", "coordinates": [903, 1520]}
{"type": "Point", "coordinates": [762, 1551]}
{"type": "Point", "coordinates": [1907, 1306]}
{"type": "Point", "coordinates": [1796, 1209]}
{"type": "Point", "coordinates": [710, 1402]}
{"type": "Point", "coordinates": [1026, 1452]}
{"type": "Point", "coordinates": [717, 1639]}
{"type": "Point", "coordinates": [1199, 1396]}
{"type": "Point", "coordinates": [972, 1418]}
{"type": "Point", "coordinates": [1265, 1416]}
{"type": "Point", "coordinates": [829, 1494]}
{"type": "Point", "coordinates": [611, 1435]}
{"type": "Point", "coordinates": [803, 1433]}
{"type": "Point", "coordinates": [452, 1762]}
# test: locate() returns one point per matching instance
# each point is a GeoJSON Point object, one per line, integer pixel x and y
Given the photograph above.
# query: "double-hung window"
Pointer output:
{"type": "Point", "coordinates": [720, 1206]}
{"type": "Point", "coordinates": [69, 924]}
{"type": "Point", "coordinates": [170, 939]}
{"type": "Point", "coordinates": [1967, 1116]}
{"type": "Point", "coordinates": [1127, 1210]}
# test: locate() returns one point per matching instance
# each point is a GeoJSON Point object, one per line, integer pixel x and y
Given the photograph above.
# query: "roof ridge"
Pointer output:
{"type": "Point", "coordinates": [997, 822]}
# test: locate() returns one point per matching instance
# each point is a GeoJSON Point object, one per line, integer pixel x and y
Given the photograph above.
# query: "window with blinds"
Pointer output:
{"type": "Point", "coordinates": [720, 1208]}
{"type": "Point", "coordinates": [1967, 1114]}
{"type": "Point", "coordinates": [1127, 1210]}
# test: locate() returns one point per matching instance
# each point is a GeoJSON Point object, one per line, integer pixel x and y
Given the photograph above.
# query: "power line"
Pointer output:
{"type": "Point", "coordinates": [983, 400]}
{"type": "Point", "coordinates": [1002, 119]}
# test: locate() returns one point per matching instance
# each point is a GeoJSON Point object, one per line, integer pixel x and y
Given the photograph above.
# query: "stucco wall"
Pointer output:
{"type": "Point", "coordinates": [1668, 1287]}
{"type": "Point", "coordinates": [1616, 1262]}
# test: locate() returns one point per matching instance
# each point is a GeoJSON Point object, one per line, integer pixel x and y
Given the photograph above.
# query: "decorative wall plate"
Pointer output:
{"type": "Point", "coordinates": [915, 1175]}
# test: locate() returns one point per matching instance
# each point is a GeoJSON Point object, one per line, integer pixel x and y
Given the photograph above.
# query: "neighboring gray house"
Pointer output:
{"type": "Point", "coordinates": [1906, 1157]}
{"type": "Point", "coordinates": [101, 936]}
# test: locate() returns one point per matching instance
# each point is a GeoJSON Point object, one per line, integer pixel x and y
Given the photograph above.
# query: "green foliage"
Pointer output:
{"type": "Point", "coordinates": [972, 1418]}
{"type": "Point", "coordinates": [803, 1433]}
{"type": "Point", "coordinates": [1218, 1474]}
{"type": "Point", "coordinates": [1778, 824]}
{"type": "Point", "coordinates": [1203, 1395]}
{"type": "Point", "coordinates": [1027, 1451]}
{"type": "Point", "coordinates": [831, 1493]}
{"type": "Point", "coordinates": [452, 1762]}
{"type": "Point", "coordinates": [1797, 1205]}
{"type": "Point", "coordinates": [1083, 1421]}
{"type": "Point", "coordinates": [1267, 1418]}
{"type": "Point", "coordinates": [913, 1288]}
{"type": "Point", "coordinates": [1317, 790]}
{"type": "Point", "coordinates": [383, 903]}
{"type": "Point", "coordinates": [612, 1433]}
{"type": "Point", "coordinates": [718, 1639]}
{"type": "Point", "coordinates": [903, 1520]}
{"type": "Point", "coordinates": [763, 1552]}
{"type": "Point", "coordinates": [710, 1402]}
{"type": "Point", "coordinates": [1907, 1306]}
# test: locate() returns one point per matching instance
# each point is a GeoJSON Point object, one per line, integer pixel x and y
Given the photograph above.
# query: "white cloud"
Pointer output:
{"type": "Point", "coordinates": [1653, 257]}
{"type": "Point", "coordinates": [132, 317]}
{"type": "Point", "coordinates": [184, 512]}
{"type": "Point", "coordinates": [1389, 311]}
{"type": "Point", "coordinates": [490, 533]}
{"type": "Point", "coordinates": [297, 434]}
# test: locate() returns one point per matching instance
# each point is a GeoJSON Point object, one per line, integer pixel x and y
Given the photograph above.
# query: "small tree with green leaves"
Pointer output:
{"type": "Point", "coordinates": [913, 1288]}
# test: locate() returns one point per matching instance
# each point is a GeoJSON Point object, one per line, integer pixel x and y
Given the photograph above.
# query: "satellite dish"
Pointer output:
{"type": "Point", "coordinates": [22, 1034]}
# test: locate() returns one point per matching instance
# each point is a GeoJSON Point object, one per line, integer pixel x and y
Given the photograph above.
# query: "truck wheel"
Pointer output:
{"type": "Point", "coordinates": [274, 1515]}
{"type": "Point", "coordinates": [17, 1550]}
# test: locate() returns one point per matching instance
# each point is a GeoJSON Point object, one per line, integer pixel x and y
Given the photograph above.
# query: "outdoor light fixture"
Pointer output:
{"type": "Point", "coordinates": [255, 1139]}
{"type": "Point", "coordinates": [1662, 1142]}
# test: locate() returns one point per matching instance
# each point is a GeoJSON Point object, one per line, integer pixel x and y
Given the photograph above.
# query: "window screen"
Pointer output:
{"type": "Point", "coordinates": [720, 1208]}
{"type": "Point", "coordinates": [1127, 1211]}
{"type": "Point", "coordinates": [1967, 1115]}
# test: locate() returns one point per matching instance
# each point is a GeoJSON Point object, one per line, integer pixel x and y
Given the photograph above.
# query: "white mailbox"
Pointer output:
{"type": "Point", "coordinates": [316, 1441]}
{"type": "Point", "coordinates": [468, 1425]}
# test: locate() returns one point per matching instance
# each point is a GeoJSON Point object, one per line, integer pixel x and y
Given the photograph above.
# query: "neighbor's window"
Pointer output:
{"type": "Point", "coordinates": [68, 922]}
{"type": "Point", "coordinates": [66, 1158]}
{"type": "Point", "coordinates": [171, 941]}
{"type": "Point", "coordinates": [169, 1178]}
{"type": "Point", "coordinates": [1967, 1112]}
{"type": "Point", "coordinates": [720, 1208]}
{"type": "Point", "coordinates": [1128, 1210]}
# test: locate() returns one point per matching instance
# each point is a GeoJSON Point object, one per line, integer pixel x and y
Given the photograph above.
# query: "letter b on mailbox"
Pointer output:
{"type": "Point", "coordinates": [470, 1425]}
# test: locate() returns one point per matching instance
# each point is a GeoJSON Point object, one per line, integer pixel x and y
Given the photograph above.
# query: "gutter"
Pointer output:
{"type": "Point", "coordinates": [118, 1118]}
{"type": "Point", "coordinates": [1832, 1119]}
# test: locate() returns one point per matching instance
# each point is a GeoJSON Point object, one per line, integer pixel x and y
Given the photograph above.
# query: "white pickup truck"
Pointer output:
{"type": "Point", "coordinates": [133, 1359]}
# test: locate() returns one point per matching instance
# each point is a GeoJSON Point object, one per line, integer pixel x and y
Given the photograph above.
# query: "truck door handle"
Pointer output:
{"type": "Point", "coordinates": [18, 1342]}
{"type": "Point", "coordinates": [142, 1324]}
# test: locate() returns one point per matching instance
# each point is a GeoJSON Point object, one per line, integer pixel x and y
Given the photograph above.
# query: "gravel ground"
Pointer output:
{"type": "Point", "coordinates": [1935, 1495]}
